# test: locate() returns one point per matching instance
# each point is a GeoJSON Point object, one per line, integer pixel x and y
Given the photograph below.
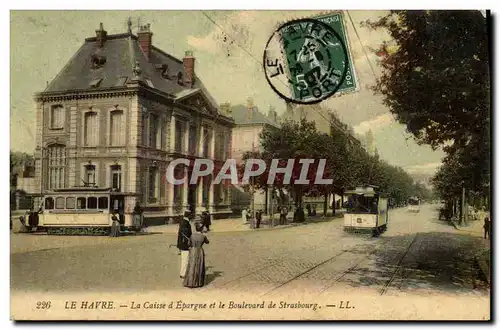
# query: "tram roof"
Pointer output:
{"type": "Point", "coordinates": [367, 190]}
{"type": "Point", "coordinates": [81, 189]}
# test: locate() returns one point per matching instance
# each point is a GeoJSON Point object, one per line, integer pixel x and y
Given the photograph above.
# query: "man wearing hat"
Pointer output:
{"type": "Point", "coordinates": [183, 241]}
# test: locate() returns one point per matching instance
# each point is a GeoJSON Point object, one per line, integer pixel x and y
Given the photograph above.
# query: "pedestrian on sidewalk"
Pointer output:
{"type": "Point", "coordinates": [244, 216]}
{"type": "Point", "coordinates": [195, 274]}
{"type": "Point", "coordinates": [183, 241]}
{"type": "Point", "coordinates": [487, 228]}
{"type": "Point", "coordinates": [258, 218]}
{"type": "Point", "coordinates": [115, 226]}
{"type": "Point", "coordinates": [205, 220]}
{"type": "Point", "coordinates": [137, 216]}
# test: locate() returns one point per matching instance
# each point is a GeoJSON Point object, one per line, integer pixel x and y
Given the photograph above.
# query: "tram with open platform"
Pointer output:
{"type": "Point", "coordinates": [82, 211]}
{"type": "Point", "coordinates": [366, 210]}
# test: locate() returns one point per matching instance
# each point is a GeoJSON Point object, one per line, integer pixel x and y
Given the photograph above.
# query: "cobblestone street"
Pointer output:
{"type": "Point", "coordinates": [418, 255]}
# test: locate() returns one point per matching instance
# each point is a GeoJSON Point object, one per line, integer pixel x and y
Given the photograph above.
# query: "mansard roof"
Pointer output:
{"type": "Point", "coordinates": [115, 67]}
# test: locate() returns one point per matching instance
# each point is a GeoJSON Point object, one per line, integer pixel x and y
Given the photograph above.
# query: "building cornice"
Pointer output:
{"type": "Point", "coordinates": [133, 88]}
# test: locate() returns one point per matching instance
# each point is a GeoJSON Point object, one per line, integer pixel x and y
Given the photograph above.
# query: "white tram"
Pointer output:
{"type": "Point", "coordinates": [414, 204]}
{"type": "Point", "coordinates": [83, 211]}
{"type": "Point", "coordinates": [366, 210]}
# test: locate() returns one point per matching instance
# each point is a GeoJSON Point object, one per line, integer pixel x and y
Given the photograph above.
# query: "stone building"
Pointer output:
{"type": "Point", "coordinates": [249, 123]}
{"type": "Point", "coordinates": [119, 112]}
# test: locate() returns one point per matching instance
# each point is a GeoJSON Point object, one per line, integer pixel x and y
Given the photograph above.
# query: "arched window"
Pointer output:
{"type": "Point", "coordinates": [117, 128]}
{"type": "Point", "coordinates": [56, 158]}
{"type": "Point", "coordinates": [91, 136]}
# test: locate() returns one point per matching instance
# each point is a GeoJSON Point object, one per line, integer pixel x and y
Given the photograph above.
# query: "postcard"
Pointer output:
{"type": "Point", "coordinates": [250, 165]}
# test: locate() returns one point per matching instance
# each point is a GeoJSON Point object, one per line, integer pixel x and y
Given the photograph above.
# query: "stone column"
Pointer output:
{"type": "Point", "coordinates": [172, 133]}
{"type": "Point", "coordinates": [201, 138]}
{"type": "Point", "coordinates": [170, 198]}
{"type": "Point", "coordinates": [199, 197]}
{"type": "Point", "coordinates": [211, 195]}
{"type": "Point", "coordinates": [185, 190]}
{"type": "Point", "coordinates": [212, 144]}
{"type": "Point", "coordinates": [186, 138]}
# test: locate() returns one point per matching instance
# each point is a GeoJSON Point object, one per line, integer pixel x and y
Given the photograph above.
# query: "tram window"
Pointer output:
{"type": "Point", "coordinates": [81, 203]}
{"type": "Point", "coordinates": [103, 203]}
{"type": "Point", "coordinates": [70, 202]}
{"type": "Point", "coordinates": [60, 202]}
{"type": "Point", "coordinates": [92, 203]}
{"type": "Point", "coordinates": [49, 203]}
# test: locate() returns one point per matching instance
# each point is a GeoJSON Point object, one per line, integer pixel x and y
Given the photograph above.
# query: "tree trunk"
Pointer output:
{"type": "Point", "coordinates": [325, 205]}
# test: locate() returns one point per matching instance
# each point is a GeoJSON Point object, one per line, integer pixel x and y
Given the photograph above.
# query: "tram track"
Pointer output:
{"type": "Point", "coordinates": [340, 276]}
{"type": "Point", "coordinates": [319, 264]}
{"type": "Point", "coordinates": [399, 266]}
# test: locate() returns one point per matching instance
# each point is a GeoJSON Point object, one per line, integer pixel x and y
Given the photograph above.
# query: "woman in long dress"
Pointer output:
{"type": "Point", "coordinates": [115, 227]}
{"type": "Point", "coordinates": [195, 275]}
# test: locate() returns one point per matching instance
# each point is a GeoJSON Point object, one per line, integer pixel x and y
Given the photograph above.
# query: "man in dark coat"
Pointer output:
{"type": "Point", "coordinates": [487, 228]}
{"type": "Point", "coordinates": [183, 241]}
{"type": "Point", "coordinates": [206, 220]}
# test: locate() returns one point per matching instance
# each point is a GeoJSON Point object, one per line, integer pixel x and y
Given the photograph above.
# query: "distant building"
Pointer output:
{"type": "Point", "coordinates": [325, 121]}
{"type": "Point", "coordinates": [119, 112]}
{"type": "Point", "coordinates": [370, 143]}
{"type": "Point", "coordinates": [249, 123]}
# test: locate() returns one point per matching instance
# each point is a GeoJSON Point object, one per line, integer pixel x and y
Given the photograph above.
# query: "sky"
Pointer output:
{"type": "Point", "coordinates": [228, 47]}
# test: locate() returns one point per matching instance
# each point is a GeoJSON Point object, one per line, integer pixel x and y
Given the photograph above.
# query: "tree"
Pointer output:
{"type": "Point", "coordinates": [437, 82]}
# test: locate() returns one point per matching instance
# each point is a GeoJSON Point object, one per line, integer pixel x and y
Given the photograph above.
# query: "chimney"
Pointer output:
{"type": "Point", "coordinates": [145, 37]}
{"type": "Point", "coordinates": [250, 107]}
{"type": "Point", "coordinates": [188, 61]}
{"type": "Point", "coordinates": [226, 108]}
{"type": "Point", "coordinates": [271, 114]}
{"type": "Point", "coordinates": [101, 36]}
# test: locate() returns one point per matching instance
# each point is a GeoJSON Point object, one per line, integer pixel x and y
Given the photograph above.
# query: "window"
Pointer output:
{"type": "Point", "coordinates": [179, 188]}
{"type": "Point", "coordinates": [57, 117]}
{"type": "Point", "coordinates": [49, 203]}
{"type": "Point", "coordinates": [179, 135]}
{"type": "Point", "coordinates": [103, 203]}
{"type": "Point", "coordinates": [92, 203]}
{"type": "Point", "coordinates": [56, 158]}
{"type": "Point", "coordinates": [152, 185]}
{"type": "Point", "coordinates": [206, 190]}
{"type": "Point", "coordinates": [60, 203]}
{"type": "Point", "coordinates": [117, 128]}
{"type": "Point", "coordinates": [160, 136]}
{"type": "Point", "coordinates": [70, 202]}
{"type": "Point", "coordinates": [116, 177]}
{"type": "Point", "coordinates": [153, 130]}
{"type": "Point", "coordinates": [90, 134]}
{"type": "Point", "coordinates": [206, 143]}
{"type": "Point", "coordinates": [192, 140]}
{"type": "Point", "coordinates": [144, 127]}
{"type": "Point", "coordinates": [90, 175]}
{"type": "Point", "coordinates": [81, 203]}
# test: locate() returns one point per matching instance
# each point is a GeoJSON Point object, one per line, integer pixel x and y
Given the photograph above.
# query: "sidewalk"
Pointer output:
{"type": "Point", "coordinates": [237, 225]}
{"type": "Point", "coordinates": [482, 258]}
